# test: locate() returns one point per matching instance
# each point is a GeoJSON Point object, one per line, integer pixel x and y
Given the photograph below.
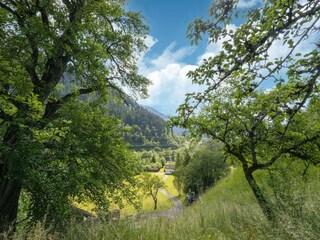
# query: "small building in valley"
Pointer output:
{"type": "Point", "coordinates": [169, 168]}
{"type": "Point", "coordinates": [153, 169]}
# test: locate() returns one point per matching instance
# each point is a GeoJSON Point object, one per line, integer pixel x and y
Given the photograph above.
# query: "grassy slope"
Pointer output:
{"type": "Point", "coordinates": [222, 213]}
{"type": "Point", "coordinates": [227, 211]}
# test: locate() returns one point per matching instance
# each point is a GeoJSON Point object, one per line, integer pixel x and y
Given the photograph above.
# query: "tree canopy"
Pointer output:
{"type": "Point", "coordinates": [258, 104]}
{"type": "Point", "coordinates": [151, 184]}
{"type": "Point", "coordinates": [93, 42]}
{"type": "Point", "coordinates": [206, 167]}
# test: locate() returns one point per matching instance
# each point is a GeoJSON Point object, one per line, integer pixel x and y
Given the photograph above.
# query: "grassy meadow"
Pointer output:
{"type": "Point", "coordinates": [227, 211]}
{"type": "Point", "coordinates": [147, 203]}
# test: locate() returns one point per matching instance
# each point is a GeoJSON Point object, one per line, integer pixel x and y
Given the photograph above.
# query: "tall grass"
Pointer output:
{"type": "Point", "coordinates": [227, 211]}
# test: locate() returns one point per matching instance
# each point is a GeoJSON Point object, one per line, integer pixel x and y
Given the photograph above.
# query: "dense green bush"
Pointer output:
{"type": "Point", "coordinates": [206, 167]}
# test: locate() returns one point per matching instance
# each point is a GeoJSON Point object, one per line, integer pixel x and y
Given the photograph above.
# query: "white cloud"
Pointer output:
{"type": "Point", "coordinates": [169, 55]}
{"type": "Point", "coordinates": [169, 86]}
{"type": "Point", "coordinates": [248, 4]}
{"type": "Point", "coordinates": [167, 73]}
{"type": "Point", "coordinates": [150, 41]}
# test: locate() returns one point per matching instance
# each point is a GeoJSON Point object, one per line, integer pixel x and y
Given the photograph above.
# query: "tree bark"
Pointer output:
{"type": "Point", "coordinates": [9, 198]}
{"type": "Point", "coordinates": [263, 203]}
{"type": "Point", "coordinates": [10, 187]}
{"type": "Point", "coordinates": [155, 199]}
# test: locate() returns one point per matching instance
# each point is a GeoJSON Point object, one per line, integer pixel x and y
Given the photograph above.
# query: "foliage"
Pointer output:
{"type": "Point", "coordinates": [151, 183]}
{"type": "Point", "coordinates": [182, 161]}
{"type": "Point", "coordinates": [257, 126]}
{"type": "Point", "coordinates": [87, 160]}
{"type": "Point", "coordinates": [206, 167]}
{"type": "Point", "coordinates": [178, 173]}
{"type": "Point", "coordinates": [43, 148]}
{"type": "Point", "coordinates": [152, 159]}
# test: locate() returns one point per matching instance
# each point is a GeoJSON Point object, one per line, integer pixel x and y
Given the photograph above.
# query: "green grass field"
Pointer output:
{"type": "Point", "coordinates": [147, 206]}
{"type": "Point", "coordinates": [227, 211]}
{"type": "Point", "coordinates": [147, 203]}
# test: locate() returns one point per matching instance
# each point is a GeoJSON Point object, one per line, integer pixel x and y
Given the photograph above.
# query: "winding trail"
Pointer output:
{"type": "Point", "coordinates": [177, 207]}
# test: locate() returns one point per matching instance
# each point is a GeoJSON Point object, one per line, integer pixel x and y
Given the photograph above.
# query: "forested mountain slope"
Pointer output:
{"type": "Point", "coordinates": [147, 130]}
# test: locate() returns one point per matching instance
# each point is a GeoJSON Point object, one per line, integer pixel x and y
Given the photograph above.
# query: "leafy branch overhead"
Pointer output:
{"type": "Point", "coordinates": [246, 52]}
{"type": "Point", "coordinates": [93, 41]}
{"type": "Point", "coordinates": [262, 106]}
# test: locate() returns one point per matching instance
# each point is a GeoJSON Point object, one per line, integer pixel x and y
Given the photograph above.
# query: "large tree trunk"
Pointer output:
{"type": "Point", "coordinates": [9, 198]}
{"type": "Point", "coordinates": [155, 200]}
{"type": "Point", "coordinates": [264, 205]}
{"type": "Point", "coordinates": [10, 188]}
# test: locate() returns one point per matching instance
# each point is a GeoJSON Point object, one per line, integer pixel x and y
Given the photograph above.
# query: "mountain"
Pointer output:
{"type": "Point", "coordinates": [179, 131]}
{"type": "Point", "coordinates": [148, 128]}
{"type": "Point", "coordinates": [154, 111]}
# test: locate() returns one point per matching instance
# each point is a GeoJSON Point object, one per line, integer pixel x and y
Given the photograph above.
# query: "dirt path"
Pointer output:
{"type": "Point", "coordinates": [177, 207]}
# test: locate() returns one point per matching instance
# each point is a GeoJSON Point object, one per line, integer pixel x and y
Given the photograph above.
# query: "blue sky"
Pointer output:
{"type": "Point", "coordinates": [168, 21]}
{"type": "Point", "coordinates": [170, 56]}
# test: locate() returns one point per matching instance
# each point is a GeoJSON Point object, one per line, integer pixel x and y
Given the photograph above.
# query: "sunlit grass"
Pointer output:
{"type": "Point", "coordinates": [147, 206]}
{"type": "Point", "coordinates": [227, 211]}
{"type": "Point", "coordinates": [89, 207]}
{"type": "Point", "coordinates": [164, 203]}
{"type": "Point", "coordinates": [170, 188]}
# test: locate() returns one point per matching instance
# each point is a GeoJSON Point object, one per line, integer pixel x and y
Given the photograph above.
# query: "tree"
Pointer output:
{"type": "Point", "coordinates": [178, 173]}
{"type": "Point", "coordinates": [86, 160]}
{"type": "Point", "coordinates": [258, 126]}
{"type": "Point", "coordinates": [153, 159]}
{"type": "Point", "coordinates": [180, 170]}
{"type": "Point", "coordinates": [206, 167]}
{"type": "Point", "coordinates": [94, 43]}
{"type": "Point", "coordinates": [151, 183]}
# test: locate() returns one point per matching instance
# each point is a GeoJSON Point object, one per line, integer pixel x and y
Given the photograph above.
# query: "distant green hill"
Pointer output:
{"type": "Point", "coordinates": [177, 130]}
{"type": "Point", "coordinates": [148, 130]}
